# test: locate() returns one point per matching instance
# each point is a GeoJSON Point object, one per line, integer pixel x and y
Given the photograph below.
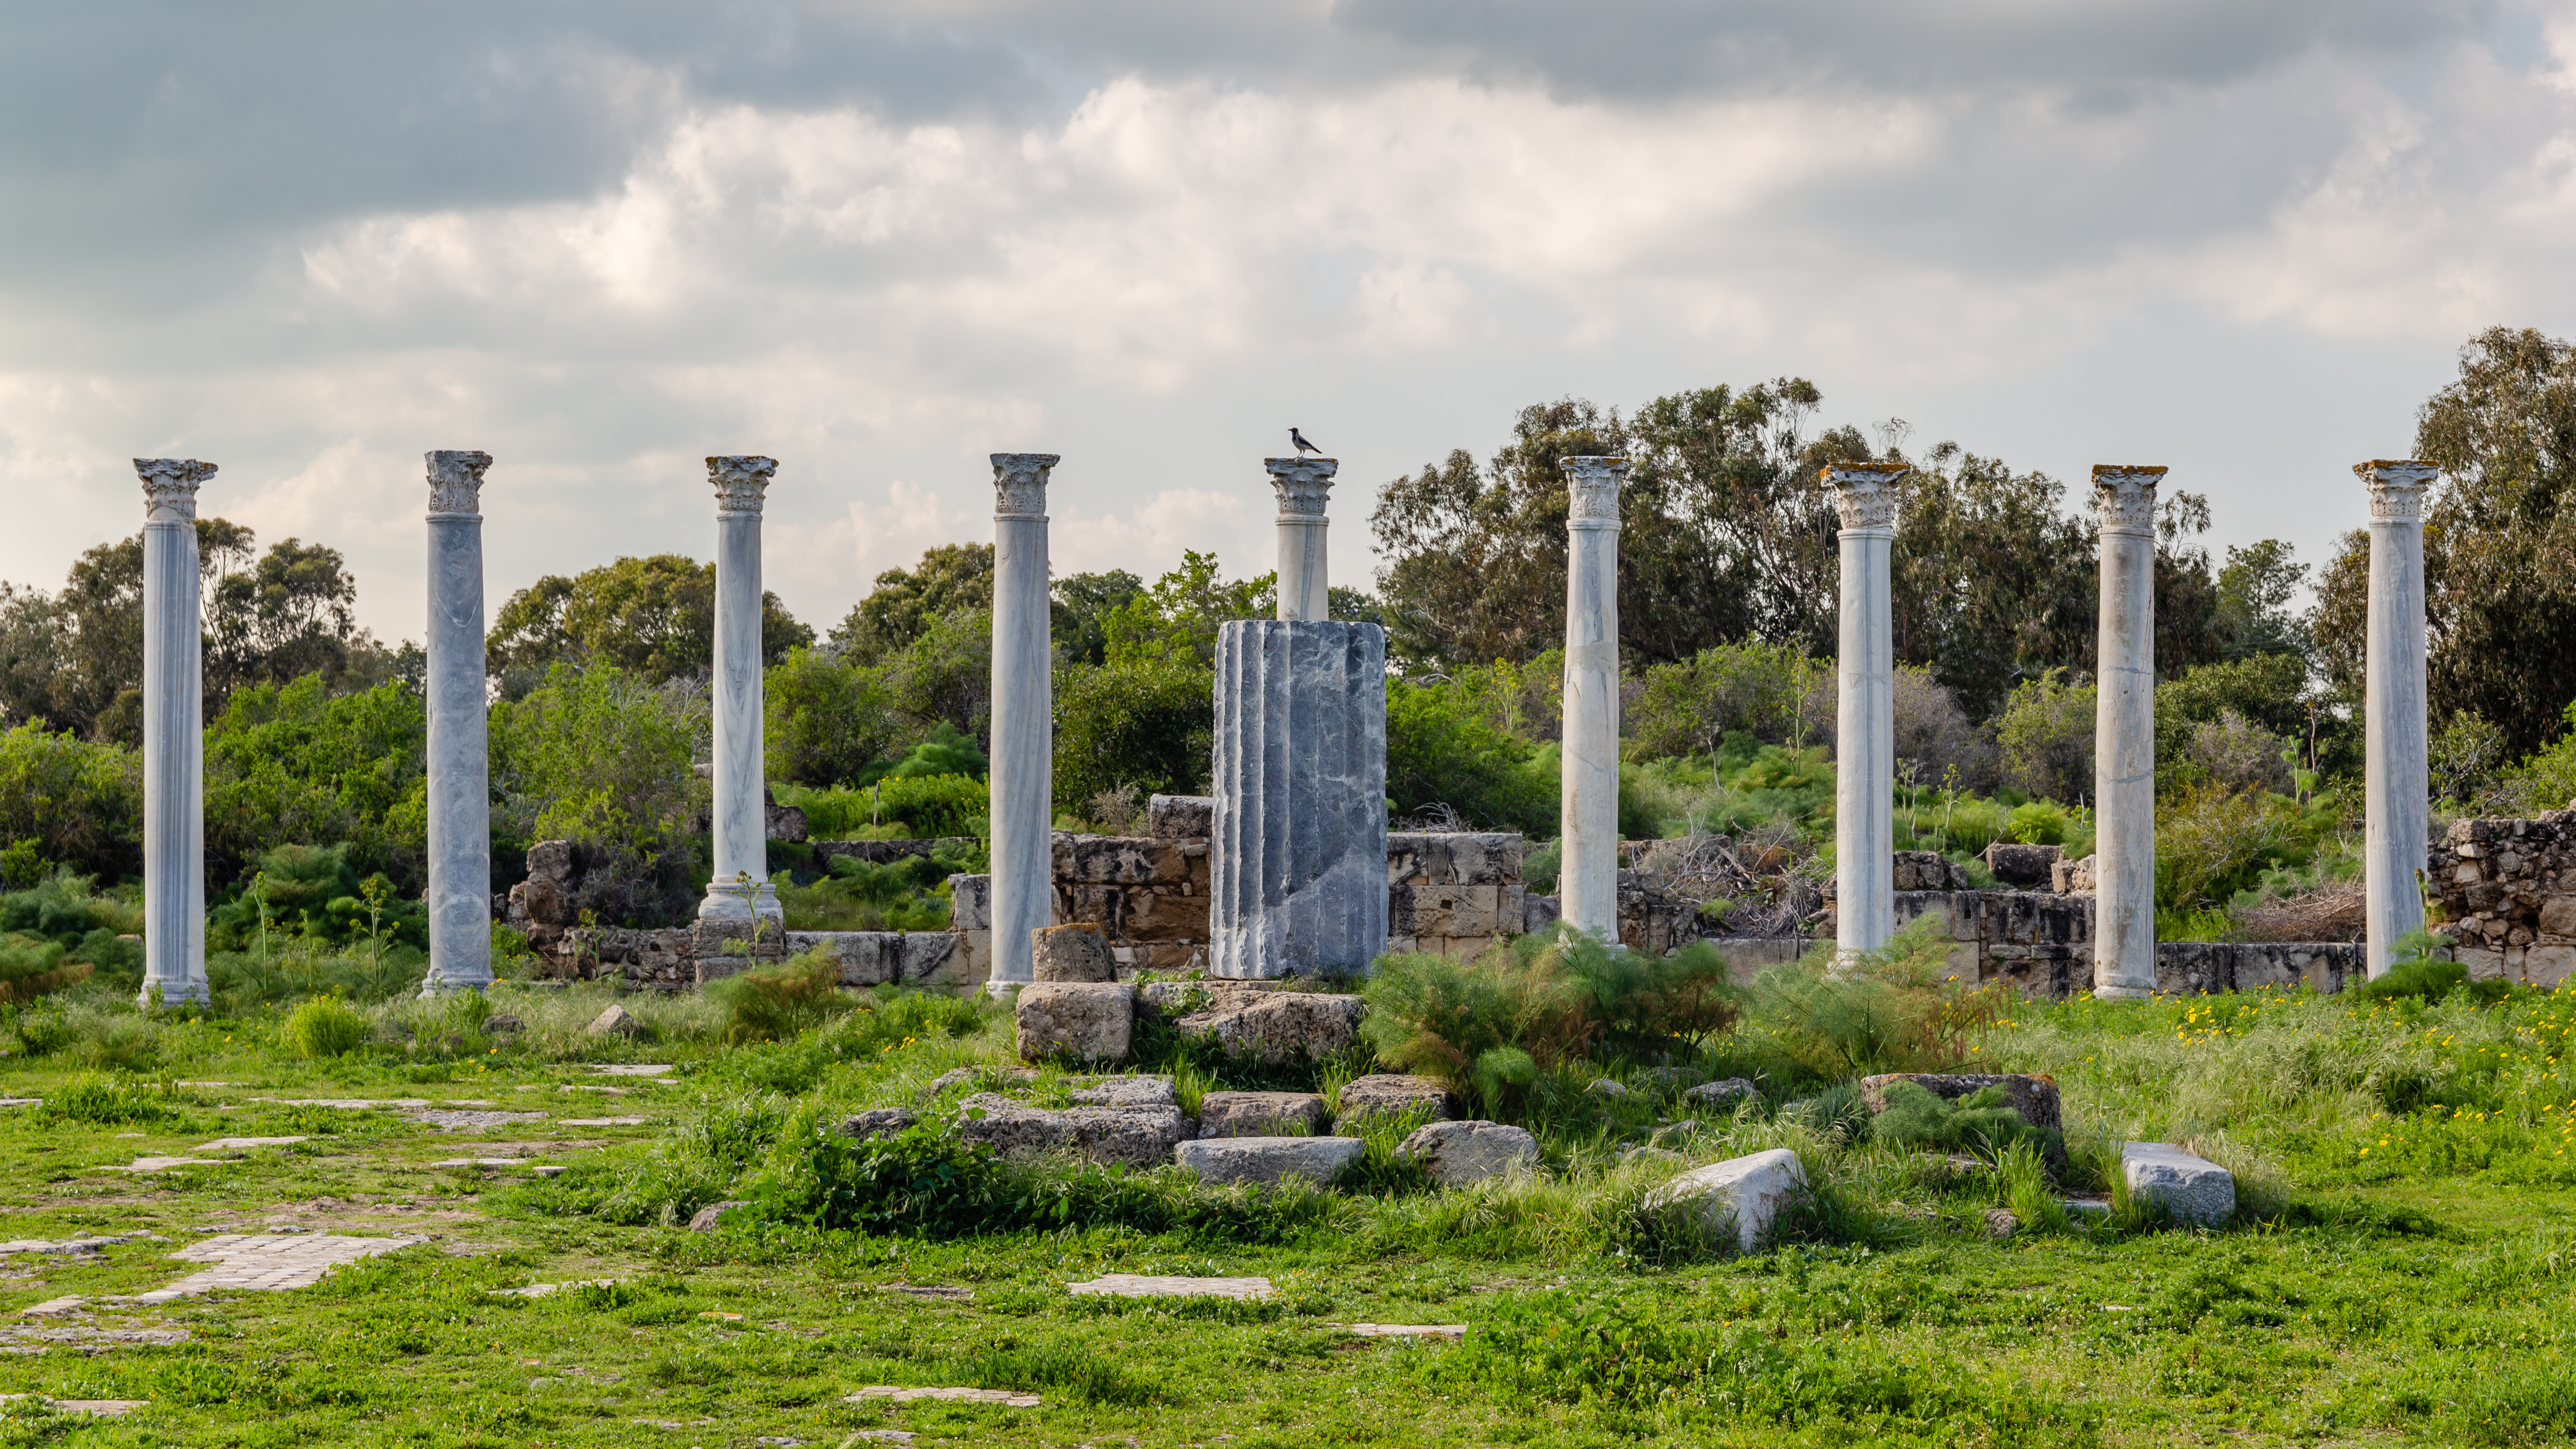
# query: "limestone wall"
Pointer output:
{"type": "Point", "coordinates": [2505, 892]}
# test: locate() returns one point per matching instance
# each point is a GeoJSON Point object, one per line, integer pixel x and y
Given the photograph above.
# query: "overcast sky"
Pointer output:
{"type": "Point", "coordinates": [879, 241]}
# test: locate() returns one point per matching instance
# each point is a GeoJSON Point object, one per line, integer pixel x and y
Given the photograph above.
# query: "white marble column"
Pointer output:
{"type": "Point", "coordinates": [1588, 827]}
{"type": "Point", "coordinates": [460, 770]}
{"type": "Point", "coordinates": [1302, 484]}
{"type": "Point", "coordinates": [2397, 786]}
{"type": "Point", "coordinates": [174, 735]}
{"type": "Point", "coordinates": [2124, 737]}
{"type": "Point", "coordinates": [1023, 755]}
{"type": "Point", "coordinates": [1865, 712]}
{"type": "Point", "coordinates": [740, 888]}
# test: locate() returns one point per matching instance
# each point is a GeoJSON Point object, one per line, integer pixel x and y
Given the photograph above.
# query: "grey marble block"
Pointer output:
{"type": "Point", "coordinates": [1298, 858]}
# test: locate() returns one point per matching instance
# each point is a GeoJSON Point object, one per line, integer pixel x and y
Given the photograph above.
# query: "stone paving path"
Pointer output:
{"type": "Point", "coordinates": [954, 1396]}
{"type": "Point", "coordinates": [1139, 1285]}
{"type": "Point", "coordinates": [239, 1144]}
{"type": "Point", "coordinates": [102, 1408]}
{"type": "Point", "coordinates": [273, 1261]}
{"type": "Point", "coordinates": [632, 1069]}
{"type": "Point", "coordinates": [1450, 1331]}
{"type": "Point", "coordinates": [475, 1121]}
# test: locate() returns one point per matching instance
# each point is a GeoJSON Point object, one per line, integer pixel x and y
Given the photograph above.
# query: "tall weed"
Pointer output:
{"type": "Point", "coordinates": [1892, 1010]}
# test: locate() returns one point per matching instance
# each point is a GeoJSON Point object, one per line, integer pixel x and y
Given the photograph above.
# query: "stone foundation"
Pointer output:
{"type": "Point", "coordinates": [2505, 892]}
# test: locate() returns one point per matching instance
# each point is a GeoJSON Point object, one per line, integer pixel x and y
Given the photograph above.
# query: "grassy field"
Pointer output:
{"type": "Point", "coordinates": [2403, 1271]}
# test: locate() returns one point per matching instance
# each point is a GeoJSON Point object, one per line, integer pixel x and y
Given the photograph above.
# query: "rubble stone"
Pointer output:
{"type": "Point", "coordinates": [1269, 1160]}
{"type": "Point", "coordinates": [1085, 1021]}
{"type": "Point", "coordinates": [1461, 1154]}
{"type": "Point", "coordinates": [1749, 1191]}
{"type": "Point", "coordinates": [1386, 1094]}
{"type": "Point", "coordinates": [1071, 953]}
{"type": "Point", "coordinates": [2189, 1188]}
{"type": "Point", "coordinates": [1140, 1137]}
{"type": "Point", "coordinates": [1260, 1114]}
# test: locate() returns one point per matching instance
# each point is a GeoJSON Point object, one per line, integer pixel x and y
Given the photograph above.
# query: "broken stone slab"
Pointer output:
{"type": "Point", "coordinates": [1389, 1095]}
{"type": "Point", "coordinates": [164, 1164]}
{"type": "Point", "coordinates": [271, 1261]}
{"type": "Point", "coordinates": [358, 1104]}
{"type": "Point", "coordinates": [1260, 1114]}
{"type": "Point", "coordinates": [1607, 1087]}
{"type": "Point", "coordinates": [475, 1121]}
{"type": "Point", "coordinates": [1180, 817]}
{"type": "Point", "coordinates": [1461, 1154]}
{"type": "Point", "coordinates": [707, 1219]}
{"type": "Point", "coordinates": [877, 1122]}
{"type": "Point", "coordinates": [2028, 867]}
{"type": "Point", "coordinates": [56, 1307]}
{"type": "Point", "coordinates": [1084, 1021]}
{"type": "Point", "coordinates": [945, 1292]}
{"type": "Point", "coordinates": [1140, 1137]}
{"type": "Point", "coordinates": [240, 1144]}
{"type": "Point", "coordinates": [2001, 1224]}
{"type": "Point", "coordinates": [1269, 1160]}
{"type": "Point", "coordinates": [1141, 1285]}
{"type": "Point", "coordinates": [548, 1290]}
{"type": "Point", "coordinates": [1011, 1397]}
{"type": "Point", "coordinates": [96, 1408]}
{"type": "Point", "coordinates": [1449, 1332]}
{"type": "Point", "coordinates": [633, 1069]}
{"type": "Point", "coordinates": [91, 1338]}
{"type": "Point", "coordinates": [1746, 1191]}
{"type": "Point", "coordinates": [2034, 1097]}
{"type": "Point", "coordinates": [1278, 1027]}
{"type": "Point", "coordinates": [605, 1121]}
{"type": "Point", "coordinates": [993, 1078]}
{"type": "Point", "coordinates": [2188, 1188]}
{"type": "Point", "coordinates": [616, 1021]}
{"type": "Point", "coordinates": [1076, 952]}
{"type": "Point", "coordinates": [1718, 1096]}
{"type": "Point", "coordinates": [1125, 1092]}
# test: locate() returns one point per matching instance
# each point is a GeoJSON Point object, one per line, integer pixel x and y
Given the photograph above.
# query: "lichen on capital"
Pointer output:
{"type": "Point", "coordinates": [1020, 483]}
{"type": "Point", "coordinates": [1303, 485]}
{"type": "Point", "coordinates": [2124, 496]}
{"type": "Point", "coordinates": [170, 487]}
{"type": "Point", "coordinates": [741, 481]}
{"type": "Point", "coordinates": [1592, 486]}
{"type": "Point", "coordinates": [456, 480]}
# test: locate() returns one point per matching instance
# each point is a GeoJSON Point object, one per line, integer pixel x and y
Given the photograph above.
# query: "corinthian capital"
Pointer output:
{"type": "Point", "coordinates": [1865, 494]}
{"type": "Point", "coordinates": [170, 487]}
{"type": "Point", "coordinates": [1020, 483]}
{"type": "Point", "coordinates": [456, 482]}
{"type": "Point", "coordinates": [2124, 498]}
{"type": "Point", "coordinates": [1592, 487]}
{"type": "Point", "coordinates": [742, 482]}
{"type": "Point", "coordinates": [2397, 488]}
{"type": "Point", "coordinates": [1302, 484]}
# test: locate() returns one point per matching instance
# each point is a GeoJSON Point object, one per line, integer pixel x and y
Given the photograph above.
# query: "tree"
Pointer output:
{"type": "Point", "coordinates": [654, 617]}
{"type": "Point", "coordinates": [1080, 608]}
{"type": "Point", "coordinates": [826, 719]}
{"type": "Point", "coordinates": [1992, 582]}
{"type": "Point", "coordinates": [297, 764]}
{"type": "Point", "coordinates": [950, 578]}
{"type": "Point", "coordinates": [2257, 590]}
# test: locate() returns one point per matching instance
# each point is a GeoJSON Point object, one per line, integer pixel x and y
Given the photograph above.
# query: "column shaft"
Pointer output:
{"type": "Point", "coordinates": [1023, 746]}
{"type": "Point", "coordinates": [2397, 786]}
{"type": "Point", "coordinates": [2124, 737]}
{"type": "Point", "coordinates": [1588, 826]}
{"type": "Point", "coordinates": [460, 780]}
{"type": "Point", "coordinates": [1865, 712]}
{"type": "Point", "coordinates": [740, 888]}
{"type": "Point", "coordinates": [174, 740]}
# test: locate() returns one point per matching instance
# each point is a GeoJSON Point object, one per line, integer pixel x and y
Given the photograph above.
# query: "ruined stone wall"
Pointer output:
{"type": "Point", "coordinates": [1453, 893]}
{"type": "Point", "coordinates": [2505, 892]}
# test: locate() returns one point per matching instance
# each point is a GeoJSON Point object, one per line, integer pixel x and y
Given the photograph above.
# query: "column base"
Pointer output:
{"type": "Point", "coordinates": [173, 993]}
{"type": "Point", "coordinates": [999, 990]}
{"type": "Point", "coordinates": [436, 986]}
{"type": "Point", "coordinates": [2115, 992]}
{"type": "Point", "coordinates": [730, 901]}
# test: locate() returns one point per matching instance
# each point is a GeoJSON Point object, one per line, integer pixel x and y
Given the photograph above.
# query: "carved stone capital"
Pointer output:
{"type": "Point", "coordinates": [2397, 488]}
{"type": "Point", "coordinates": [1020, 483]}
{"type": "Point", "coordinates": [2124, 498]}
{"type": "Point", "coordinates": [170, 487]}
{"type": "Point", "coordinates": [456, 483]}
{"type": "Point", "coordinates": [742, 483]}
{"type": "Point", "coordinates": [1865, 495]}
{"type": "Point", "coordinates": [1302, 484]}
{"type": "Point", "coordinates": [1592, 488]}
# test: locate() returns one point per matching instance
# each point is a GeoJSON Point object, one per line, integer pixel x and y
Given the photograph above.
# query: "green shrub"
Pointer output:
{"type": "Point", "coordinates": [1892, 1010]}
{"type": "Point", "coordinates": [72, 802]}
{"type": "Point", "coordinates": [2416, 971]}
{"type": "Point", "coordinates": [826, 719]}
{"type": "Point", "coordinates": [39, 1030]}
{"type": "Point", "coordinates": [908, 894]}
{"type": "Point", "coordinates": [31, 967]}
{"type": "Point", "coordinates": [1145, 724]}
{"type": "Point", "coordinates": [1442, 749]}
{"type": "Point", "coordinates": [2212, 842]}
{"type": "Point", "coordinates": [2046, 735]}
{"type": "Point", "coordinates": [301, 762]}
{"type": "Point", "coordinates": [111, 1103]}
{"type": "Point", "coordinates": [774, 1003]}
{"type": "Point", "coordinates": [326, 1027]}
{"type": "Point", "coordinates": [1981, 1121]}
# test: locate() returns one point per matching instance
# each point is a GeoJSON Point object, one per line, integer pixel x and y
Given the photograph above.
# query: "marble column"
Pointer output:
{"type": "Point", "coordinates": [2124, 737]}
{"type": "Point", "coordinates": [174, 735]}
{"type": "Point", "coordinates": [2397, 786]}
{"type": "Point", "coordinates": [1588, 826]}
{"type": "Point", "coordinates": [1865, 712]}
{"type": "Point", "coordinates": [460, 770]}
{"type": "Point", "coordinates": [1023, 753]}
{"type": "Point", "coordinates": [1302, 484]}
{"type": "Point", "coordinates": [740, 888]}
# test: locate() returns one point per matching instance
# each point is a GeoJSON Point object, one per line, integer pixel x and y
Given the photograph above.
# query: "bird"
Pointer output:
{"type": "Point", "coordinates": [1299, 439]}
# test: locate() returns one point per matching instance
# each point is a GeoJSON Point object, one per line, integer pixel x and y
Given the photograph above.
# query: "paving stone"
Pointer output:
{"type": "Point", "coordinates": [605, 1121]}
{"type": "Point", "coordinates": [94, 1337]}
{"type": "Point", "coordinates": [954, 1396]}
{"type": "Point", "coordinates": [56, 1307]}
{"type": "Point", "coordinates": [1125, 1092]}
{"type": "Point", "coordinates": [633, 1069]}
{"type": "Point", "coordinates": [1392, 1095]}
{"type": "Point", "coordinates": [485, 1162]}
{"type": "Point", "coordinates": [1139, 1285]}
{"type": "Point", "coordinates": [877, 1122]}
{"type": "Point", "coordinates": [238, 1144]}
{"type": "Point", "coordinates": [1141, 1137]}
{"type": "Point", "coordinates": [164, 1164]}
{"type": "Point", "coordinates": [887, 1436]}
{"type": "Point", "coordinates": [931, 1290]}
{"type": "Point", "coordinates": [22, 1101]}
{"type": "Point", "coordinates": [1460, 1154]}
{"type": "Point", "coordinates": [272, 1261]}
{"type": "Point", "coordinates": [100, 1408]}
{"type": "Point", "coordinates": [1451, 1332]}
{"type": "Point", "coordinates": [548, 1290]}
{"type": "Point", "coordinates": [72, 1245]}
{"type": "Point", "coordinates": [1260, 1114]}
{"type": "Point", "coordinates": [475, 1121]}
{"type": "Point", "coordinates": [357, 1104]}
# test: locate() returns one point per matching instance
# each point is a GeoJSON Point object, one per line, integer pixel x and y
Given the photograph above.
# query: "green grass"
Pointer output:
{"type": "Point", "coordinates": [2403, 1273]}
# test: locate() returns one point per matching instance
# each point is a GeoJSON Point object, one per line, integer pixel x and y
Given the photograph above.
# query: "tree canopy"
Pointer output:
{"type": "Point", "coordinates": [653, 617]}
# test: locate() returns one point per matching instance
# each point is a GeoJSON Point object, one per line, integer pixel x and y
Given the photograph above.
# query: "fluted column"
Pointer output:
{"type": "Point", "coordinates": [1865, 712]}
{"type": "Point", "coordinates": [740, 888]}
{"type": "Point", "coordinates": [460, 772]}
{"type": "Point", "coordinates": [174, 736]}
{"type": "Point", "coordinates": [2124, 737]}
{"type": "Point", "coordinates": [1302, 484]}
{"type": "Point", "coordinates": [1588, 827]}
{"type": "Point", "coordinates": [2396, 787]}
{"type": "Point", "coordinates": [1023, 754]}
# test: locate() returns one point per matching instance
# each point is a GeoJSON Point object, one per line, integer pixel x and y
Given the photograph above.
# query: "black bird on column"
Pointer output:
{"type": "Point", "coordinates": [1303, 446]}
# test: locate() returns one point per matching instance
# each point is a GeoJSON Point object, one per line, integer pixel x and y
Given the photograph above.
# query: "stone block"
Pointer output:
{"type": "Point", "coordinates": [1386, 1094]}
{"type": "Point", "coordinates": [1181, 817]}
{"type": "Point", "coordinates": [1540, 912]}
{"type": "Point", "coordinates": [616, 1021]}
{"type": "Point", "coordinates": [1927, 870]}
{"type": "Point", "coordinates": [1104, 906]}
{"type": "Point", "coordinates": [2195, 968]}
{"type": "Point", "coordinates": [1417, 855]}
{"type": "Point", "coordinates": [1261, 1114]}
{"type": "Point", "coordinates": [1461, 1154]}
{"type": "Point", "coordinates": [970, 902]}
{"type": "Point", "coordinates": [2029, 867]}
{"type": "Point", "coordinates": [1281, 1026]}
{"type": "Point", "coordinates": [2557, 917]}
{"type": "Point", "coordinates": [1722, 1096]}
{"type": "Point", "coordinates": [707, 1219]}
{"type": "Point", "coordinates": [1118, 860]}
{"type": "Point", "coordinates": [1158, 915]}
{"type": "Point", "coordinates": [783, 822]}
{"type": "Point", "coordinates": [1125, 1092]}
{"type": "Point", "coordinates": [2072, 877]}
{"type": "Point", "coordinates": [972, 965]}
{"type": "Point", "coordinates": [876, 1122]}
{"type": "Point", "coordinates": [1070, 953]}
{"type": "Point", "coordinates": [1748, 956]}
{"type": "Point", "coordinates": [2483, 965]}
{"type": "Point", "coordinates": [2034, 1097]}
{"type": "Point", "coordinates": [866, 958]}
{"type": "Point", "coordinates": [1477, 910]}
{"type": "Point", "coordinates": [1140, 1137]}
{"type": "Point", "coordinates": [1080, 1020]}
{"type": "Point", "coordinates": [1744, 1192]}
{"type": "Point", "coordinates": [1269, 1161]}
{"type": "Point", "coordinates": [2192, 1190]}
{"type": "Point", "coordinates": [2548, 966]}
{"type": "Point", "coordinates": [931, 958]}
{"type": "Point", "coordinates": [1486, 858]}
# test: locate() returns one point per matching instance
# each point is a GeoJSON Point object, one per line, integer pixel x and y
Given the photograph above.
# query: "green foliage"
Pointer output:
{"type": "Point", "coordinates": [2257, 589]}
{"type": "Point", "coordinates": [1442, 749]}
{"type": "Point", "coordinates": [774, 1003]}
{"type": "Point", "coordinates": [2417, 971]}
{"type": "Point", "coordinates": [909, 894]}
{"type": "Point", "coordinates": [1981, 1121]}
{"type": "Point", "coordinates": [951, 578]}
{"type": "Point", "coordinates": [74, 804]}
{"type": "Point", "coordinates": [2212, 842]}
{"type": "Point", "coordinates": [825, 719]}
{"type": "Point", "coordinates": [313, 892]}
{"type": "Point", "coordinates": [2046, 735]}
{"type": "Point", "coordinates": [948, 751]}
{"type": "Point", "coordinates": [300, 764]}
{"type": "Point", "coordinates": [1891, 1010]}
{"type": "Point", "coordinates": [602, 755]}
{"type": "Point", "coordinates": [2547, 779]}
{"type": "Point", "coordinates": [1143, 723]}
{"type": "Point", "coordinates": [1081, 1375]}
{"type": "Point", "coordinates": [1176, 621]}
{"type": "Point", "coordinates": [1080, 607]}
{"type": "Point", "coordinates": [1689, 707]}
{"type": "Point", "coordinates": [2038, 822]}
{"type": "Point", "coordinates": [650, 617]}
{"type": "Point", "coordinates": [326, 1027]}
{"type": "Point", "coordinates": [110, 1102]}
{"type": "Point", "coordinates": [945, 674]}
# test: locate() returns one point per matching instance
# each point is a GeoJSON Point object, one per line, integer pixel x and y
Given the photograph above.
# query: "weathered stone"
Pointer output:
{"type": "Point", "coordinates": [616, 1021]}
{"type": "Point", "coordinates": [2034, 1097]}
{"type": "Point", "coordinates": [1143, 1285]}
{"type": "Point", "coordinates": [1281, 1026]}
{"type": "Point", "coordinates": [2557, 916]}
{"type": "Point", "coordinates": [1928, 870]}
{"type": "Point", "coordinates": [1298, 853]}
{"type": "Point", "coordinates": [1747, 1191]}
{"type": "Point", "coordinates": [2029, 866]}
{"type": "Point", "coordinates": [877, 1122]}
{"type": "Point", "coordinates": [1071, 953]}
{"type": "Point", "coordinates": [1181, 817]}
{"type": "Point", "coordinates": [2396, 759]}
{"type": "Point", "coordinates": [2190, 1189]}
{"type": "Point", "coordinates": [1270, 1160]}
{"type": "Point", "coordinates": [2124, 757]}
{"type": "Point", "coordinates": [1607, 1087]}
{"type": "Point", "coordinates": [970, 902]}
{"type": "Point", "coordinates": [1118, 860]}
{"type": "Point", "coordinates": [1022, 784]}
{"type": "Point", "coordinates": [1865, 496]}
{"type": "Point", "coordinates": [1721, 1095]}
{"type": "Point", "coordinates": [1126, 1092]}
{"type": "Point", "coordinates": [2001, 1224]}
{"type": "Point", "coordinates": [174, 753]}
{"type": "Point", "coordinates": [707, 1219]}
{"type": "Point", "coordinates": [459, 795]}
{"type": "Point", "coordinates": [1260, 1114]}
{"type": "Point", "coordinates": [503, 1024]}
{"type": "Point", "coordinates": [2072, 877]}
{"type": "Point", "coordinates": [1588, 758]}
{"type": "Point", "coordinates": [1461, 1154]}
{"type": "Point", "coordinates": [1137, 1136]}
{"type": "Point", "coordinates": [1081, 1020]}
{"type": "Point", "coordinates": [1385, 1094]}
